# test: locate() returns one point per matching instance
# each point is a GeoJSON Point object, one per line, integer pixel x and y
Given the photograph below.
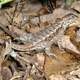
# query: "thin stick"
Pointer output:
{"type": "Point", "coordinates": [11, 34]}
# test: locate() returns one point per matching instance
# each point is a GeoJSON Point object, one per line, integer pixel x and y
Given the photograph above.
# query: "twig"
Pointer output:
{"type": "Point", "coordinates": [14, 13]}
{"type": "Point", "coordinates": [11, 34]}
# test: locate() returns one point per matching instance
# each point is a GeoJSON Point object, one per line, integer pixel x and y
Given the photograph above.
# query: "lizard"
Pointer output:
{"type": "Point", "coordinates": [43, 39]}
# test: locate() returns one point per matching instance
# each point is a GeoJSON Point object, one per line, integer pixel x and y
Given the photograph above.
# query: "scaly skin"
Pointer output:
{"type": "Point", "coordinates": [45, 38]}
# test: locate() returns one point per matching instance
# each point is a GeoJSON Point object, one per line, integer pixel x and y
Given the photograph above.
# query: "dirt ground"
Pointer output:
{"type": "Point", "coordinates": [22, 17]}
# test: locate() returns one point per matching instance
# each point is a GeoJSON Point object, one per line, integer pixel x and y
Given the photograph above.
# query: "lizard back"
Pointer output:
{"type": "Point", "coordinates": [37, 38]}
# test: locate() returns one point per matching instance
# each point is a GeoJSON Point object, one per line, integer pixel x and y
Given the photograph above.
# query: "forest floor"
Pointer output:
{"type": "Point", "coordinates": [18, 18]}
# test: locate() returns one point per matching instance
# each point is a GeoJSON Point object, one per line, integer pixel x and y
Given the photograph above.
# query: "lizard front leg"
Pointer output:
{"type": "Point", "coordinates": [53, 56]}
{"type": "Point", "coordinates": [49, 53]}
